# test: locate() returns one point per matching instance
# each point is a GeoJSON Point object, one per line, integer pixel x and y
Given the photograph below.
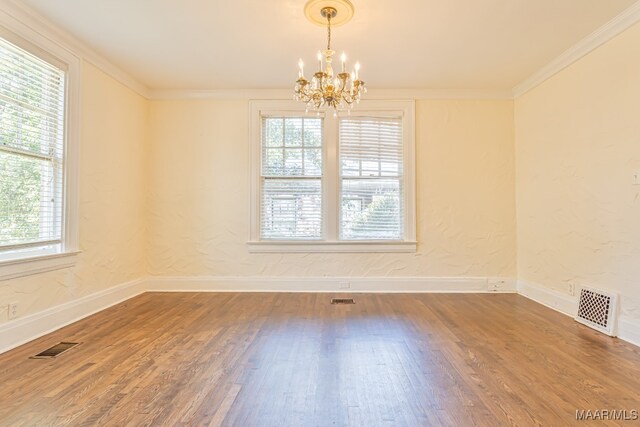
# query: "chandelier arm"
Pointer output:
{"type": "Point", "coordinates": [324, 88]}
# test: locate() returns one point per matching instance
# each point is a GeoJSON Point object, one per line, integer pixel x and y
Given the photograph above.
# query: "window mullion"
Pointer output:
{"type": "Point", "coordinates": [372, 146]}
{"type": "Point", "coordinates": [331, 204]}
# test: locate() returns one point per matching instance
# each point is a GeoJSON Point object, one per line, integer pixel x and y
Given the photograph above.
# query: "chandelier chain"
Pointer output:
{"type": "Point", "coordinates": [329, 31]}
{"type": "Point", "coordinates": [325, 88]}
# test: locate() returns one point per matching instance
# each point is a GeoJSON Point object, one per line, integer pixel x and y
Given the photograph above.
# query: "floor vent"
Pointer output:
{"type": "Point", "coordinates": [342, 301]}
{"type": "Point", "coordinates": [56, 350]}
{"type": "Point", "coordinates": [598, 310]}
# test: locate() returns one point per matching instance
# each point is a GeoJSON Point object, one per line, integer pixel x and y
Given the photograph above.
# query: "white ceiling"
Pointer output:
{"type": "Point", "coordinates": [255, 44]}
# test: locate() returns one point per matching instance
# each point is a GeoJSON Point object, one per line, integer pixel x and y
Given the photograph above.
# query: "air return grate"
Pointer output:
{"type": "Point", "coordinates": [56, 350]}
{"type": "Point", "coordinates": [342, 301]}
{"type": "Point", "coordinates": [598, 309]}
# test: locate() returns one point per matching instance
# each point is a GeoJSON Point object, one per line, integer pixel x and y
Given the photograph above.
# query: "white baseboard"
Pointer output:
{"type": "Point", "coordinates": [325, 284]}
{"type": "Point", "coordinates": [629, 329]}
{"type": "Point", "coordinates": [558, 301]}
{"type": "Point", "coordinates": [28, 328]}
{"type": "Point", "coordinates": [23, 330]}
{"type": "Point", "coordinates": [20, 331]}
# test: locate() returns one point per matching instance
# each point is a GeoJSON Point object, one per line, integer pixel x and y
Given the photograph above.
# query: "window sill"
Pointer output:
{"type": "Point", "coordinates": [338, 247]}
{"type": "Point", "coordinates": [11, 269]}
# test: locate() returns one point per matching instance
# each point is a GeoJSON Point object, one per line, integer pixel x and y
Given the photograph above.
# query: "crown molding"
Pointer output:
{"type": "Point", "coordinates": [267, 94]}
{"type": "Point", "coordinates": [169, 94]}
{"type": "Point", "coordinates": [29, 17]}
{"type": "Point", "coordinates": [617, 25]}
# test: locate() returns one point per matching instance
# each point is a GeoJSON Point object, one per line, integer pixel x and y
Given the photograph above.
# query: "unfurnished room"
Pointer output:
{"type": "Point", "coordinates": [319, 213]}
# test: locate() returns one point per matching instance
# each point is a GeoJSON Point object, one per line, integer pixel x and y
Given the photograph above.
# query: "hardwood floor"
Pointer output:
{"type": "Point", "coordinates": [242, 359]}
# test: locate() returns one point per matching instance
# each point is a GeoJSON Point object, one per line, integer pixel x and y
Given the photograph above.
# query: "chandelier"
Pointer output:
{"type": "Point", "coordinates": [326, 88]}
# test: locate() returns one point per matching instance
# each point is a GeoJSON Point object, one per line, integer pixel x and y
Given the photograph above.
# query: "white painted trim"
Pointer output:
{"type": "Point", "coordinates": [502, 285]}
{"type": "Point", "coordinates": [29, 17]}
{"type": "Point", "coordinates": [372, 94]}
{"type": "Point", "coordinates": [565, 304]}
{"type": "Point", "coordinates": [320, 284]}
{"type": "Point", "coordinates": [72, 148]}
{"type": "Point", "coordinates": [49, 50]}
{"type": "Point", "coordinates": [22, 330]}
{"type": "Point", "coordinates": [329, 242]}
{"type": "Point", "coordinates": [324, 246]}
{"type": "Point", "coordinates": [617, 25]}
{"type": "Point", "coordinates": [629, 329]}
{"type": "Point", "coordinates": [20, 267]}
{"type": "Point", "coordinates": [242, 94]}
{"type": "Point", "coordinates": [409, 170]}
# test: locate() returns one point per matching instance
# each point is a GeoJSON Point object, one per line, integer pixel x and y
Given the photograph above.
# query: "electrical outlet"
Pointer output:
{"type": "Point", "coordinates": [345, 285]}
{"type": "Point", "coordinates": [571, 289]}
{"type": "Point", "coordinates": [13, 310]}
{"type": "Point", "coordinates": [496, 285]}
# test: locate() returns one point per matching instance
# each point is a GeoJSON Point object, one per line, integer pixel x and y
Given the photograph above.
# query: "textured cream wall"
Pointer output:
{"type": "Point", "coordinates": [199, 199]}
{"type": "Point", "coordinates": [114, 122]}
{"type": "Point", "coordinates": [165, 190]}
{"type": "Point", "coordinates": [577, 146]}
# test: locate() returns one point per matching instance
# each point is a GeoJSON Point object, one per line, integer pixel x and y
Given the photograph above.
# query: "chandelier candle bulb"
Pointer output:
{"type": "Point", "coordinates": [344, 61]}
{"type": "Point", "coordinates": [301, 66]}
{"type": "Point", "coordinates": [319, 61]}
{"type": "Point", "coordinates": [357, 68]}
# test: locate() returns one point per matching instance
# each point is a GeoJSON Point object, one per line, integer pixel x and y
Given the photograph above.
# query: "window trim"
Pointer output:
{"type": "Point", "coordinates": [331, 180]}
{"type": "Point", "coordinates": [63, 255]}
{"type": "Point", "coordinates": [287, 113]}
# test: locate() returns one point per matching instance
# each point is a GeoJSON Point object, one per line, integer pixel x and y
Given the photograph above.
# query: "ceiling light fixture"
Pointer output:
{"type": "Point", "coordinates": [339, 91]}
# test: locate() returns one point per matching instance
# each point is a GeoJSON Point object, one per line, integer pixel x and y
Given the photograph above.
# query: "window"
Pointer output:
{"type": "Point", "coordinates": [371, 165]}
{"type": "Point", "coordinates": [333, 184]}
{"type": "Point", "coordinates": [36, 198]}
{"type": "Point", "coordinates": [291, 179]}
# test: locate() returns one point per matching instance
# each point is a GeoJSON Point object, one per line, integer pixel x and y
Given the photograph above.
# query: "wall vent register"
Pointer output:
{"type": "Point", "coordinates": [598, 310]}
{"type": "Point", "coordinates": [56, 350]}
{"type": "Point", "coordinates": [340, 301]}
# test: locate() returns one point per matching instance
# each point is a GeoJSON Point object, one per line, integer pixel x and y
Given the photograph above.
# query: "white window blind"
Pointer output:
{"type": "Point", "coordinates": [32, 106]}
{"type": "Point", "coordinates": [291, 178]}
{"type": "Point", "coordinates": [371, 176]}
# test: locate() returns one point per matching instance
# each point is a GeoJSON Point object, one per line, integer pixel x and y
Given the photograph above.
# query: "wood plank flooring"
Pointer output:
{"type": "Point", "coordinates": [278, 359]}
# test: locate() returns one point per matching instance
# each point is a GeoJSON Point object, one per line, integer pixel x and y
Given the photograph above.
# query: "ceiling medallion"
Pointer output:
{"type": "Point", "coordinates": [326, 89]}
